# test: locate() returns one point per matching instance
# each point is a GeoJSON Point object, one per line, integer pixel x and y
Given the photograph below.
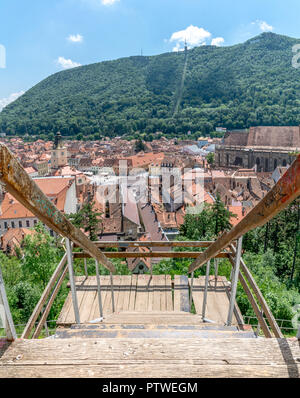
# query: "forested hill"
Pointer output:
{"type": "Point", "coordinates": [248, 84]}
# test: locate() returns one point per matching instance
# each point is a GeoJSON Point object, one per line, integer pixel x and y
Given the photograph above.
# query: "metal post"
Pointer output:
{"type": "Point", "coordinates": [191, 290]}
{"type": "Point", "coordinates": [298, 334]}
{"type": "Point", "coordinates": [235, 279]}
{"type": "Point", "coordinates": [99, 289]}
{"type": "Point", "coordinates": [46, 329]}
{"type": "Point", "coordinates": [258, 325]}
{"type": "Point", "coordinates": [8, 320]}
{"type": "Point", "coordinates": [205, 290]}
{"type": "Point", "coordinates": [85, 269]}
{"type": "Point", "coordinates": [216, 268]}
{"type": "Point", "coordinates": [112, 292]}
{"type": "Point", "coordinates": [216, 263]}
{"type": "Point", "coordinates": [72, 280]}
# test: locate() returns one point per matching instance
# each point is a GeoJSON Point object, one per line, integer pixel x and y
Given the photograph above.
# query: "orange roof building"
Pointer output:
{"type": "Point", "coordinates": [61, 192]}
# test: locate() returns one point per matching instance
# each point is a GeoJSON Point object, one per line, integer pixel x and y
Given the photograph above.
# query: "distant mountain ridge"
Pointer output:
{"type": "Point", "coordinates": [249, 84]}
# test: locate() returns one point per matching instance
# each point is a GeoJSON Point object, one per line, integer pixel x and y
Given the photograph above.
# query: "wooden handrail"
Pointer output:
{"type": "Point", "coordinates": [45, 314]}
{"type": "Point", "coordinates": [280, 196]}
{"type": "Point", "coordinates": [20, 185]}
{"type": "Point", "coordinates": [38, 308]}
{"type": "Point", "coordinates": [127, 244]}
{"type": "Point", "coordinates": [150, 255]}
{"type": "Point", "coordinates": [260, 298]}
{"type": "Point", "coordinates": [254, 305]}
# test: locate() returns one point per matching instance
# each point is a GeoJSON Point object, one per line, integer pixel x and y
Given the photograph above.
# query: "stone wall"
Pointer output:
{"type": "Point", "coordinates": [240, 157]}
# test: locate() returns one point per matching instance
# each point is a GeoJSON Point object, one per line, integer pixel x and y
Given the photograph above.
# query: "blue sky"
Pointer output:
{"type": "Point", "coordinates": [42, 37]}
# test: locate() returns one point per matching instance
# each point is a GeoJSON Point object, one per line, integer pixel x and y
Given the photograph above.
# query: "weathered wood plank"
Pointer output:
{"type": "Point", "coordinates": [88, 301]}
{"type": "Point", "coordinates": [127, 244]}
{"type": "Point", "coordinates": [64, 311]}
{"type": "Point", "coordinates": [151, 294]}
{"type": "Point", "coordinates": [167, 358]}
{"type": "Point", "coordinates": [217, 299]}
{"type": "Point", "coordinates": [116, 284]}
{"type": "Point", "coordinates": [142, 293]}
{"type": "Point", "coordinates": [132, 298]}
{"type": "Point", "coordinates": [125, 306]}
{"type": "Point", "coordinates": [156, 294]}
{"type": "Point", "coordinates": [91, 308]}
{"type": "Point", "coordinates": [154, 318]}
{"type": "Point", "coordinates": [155, 254]}
{"type": "Point", "coordinates": [124, 291]}
{"type": "Point", "coordinates": [70, 318]}
{"type": "Point", "coordinates": [106, 298]}
{"type": "Point", "coordinates": [163, 298]}
{"type": "Point", "coordinates": [179, 370]}
{"type": "Point", "coordinates": [235, 350]}
{"type": "Point", "coordinates": [169, 296]}
{"type": "Point", "coordinates": [181, 293]}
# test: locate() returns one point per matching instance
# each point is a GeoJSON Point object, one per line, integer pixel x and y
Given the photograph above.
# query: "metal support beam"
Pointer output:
{"type": "Point", "coordinates": [216, 268]}
{"type": "Point", "coordinates": [264, 306]}
{"type": "Point", "coordinates": [205, 290]}
{"type": "Point", "coordinates": [235, 279]}
{"type": "Point", "coordinates": [112, 292]}
{"type": "Point", "coordinates": [191, 290]}
{"type": "Point", "coordinates": [258, 325]}
{"type": "Point", "coordinates": [99, 289]}
{"type": "Point", "coordinates": [85, 268]}
{"type": "Point", "coordinates": [72, 281]}
{"type": "Point", "coordinates": [8, 321]}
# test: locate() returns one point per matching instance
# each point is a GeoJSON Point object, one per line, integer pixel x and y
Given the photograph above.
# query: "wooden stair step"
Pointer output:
{"type": "Point", "coordinates": [150, 333]}
{"type": "Point", "coordinates": [152, 319]}
{"type": "Point", "coordinates": [155, 358]}
{"type": "Point", "coordinates": [201, 326]}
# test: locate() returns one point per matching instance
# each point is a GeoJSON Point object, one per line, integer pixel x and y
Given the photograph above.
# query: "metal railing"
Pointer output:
{"type": "Point", "coordinates": [25, 190]}
{"type": "Point", "coordinates": [253, 321]}
{"type": "Point", "coordinates": [48, 326]}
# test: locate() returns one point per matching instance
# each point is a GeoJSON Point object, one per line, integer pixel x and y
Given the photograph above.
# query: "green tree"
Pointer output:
{"type": "Point", "coordinates": [89, 219]}
{"type": "Point", "coordinates": [211, 159]}
{"type": "Point", "coordinates": [40, 256]}
{"type": "Point", "coordinates": [139, 146]}
{"type": "Point", "coordinates": [221, 216]}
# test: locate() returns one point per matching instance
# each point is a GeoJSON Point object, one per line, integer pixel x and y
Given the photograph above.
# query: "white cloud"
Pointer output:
{"type": "Point", "coordinates": [178, 48]}
{"type": "Point", "coordinates": [193, 36]}
{"type": "Point", "coordinates": [109, 2]}
{"type": "Point", "coordinates": [217, 41]}
{"type": "Point", "coordinates": [75, 38]}
{"type": "Point", "coordinates": [67, 63]}
{"type": "Point", "coordinates": [263, 26]}
{"type": "Point", "coordinates": [97, 3]}
{"type": "Point", "coordinates": [5, 101]}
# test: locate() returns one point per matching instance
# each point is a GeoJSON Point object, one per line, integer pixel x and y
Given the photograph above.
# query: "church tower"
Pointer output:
{"type": "Point", "coordinates": [59, 157]}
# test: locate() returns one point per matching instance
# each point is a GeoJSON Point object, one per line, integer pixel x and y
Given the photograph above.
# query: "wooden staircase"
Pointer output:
{"type": "Point", "coordinates": [210, 353]}
{"type": "Point", "coordinates": [150, 343]}
{"type": "Point", "coordinates": [145, 325]}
